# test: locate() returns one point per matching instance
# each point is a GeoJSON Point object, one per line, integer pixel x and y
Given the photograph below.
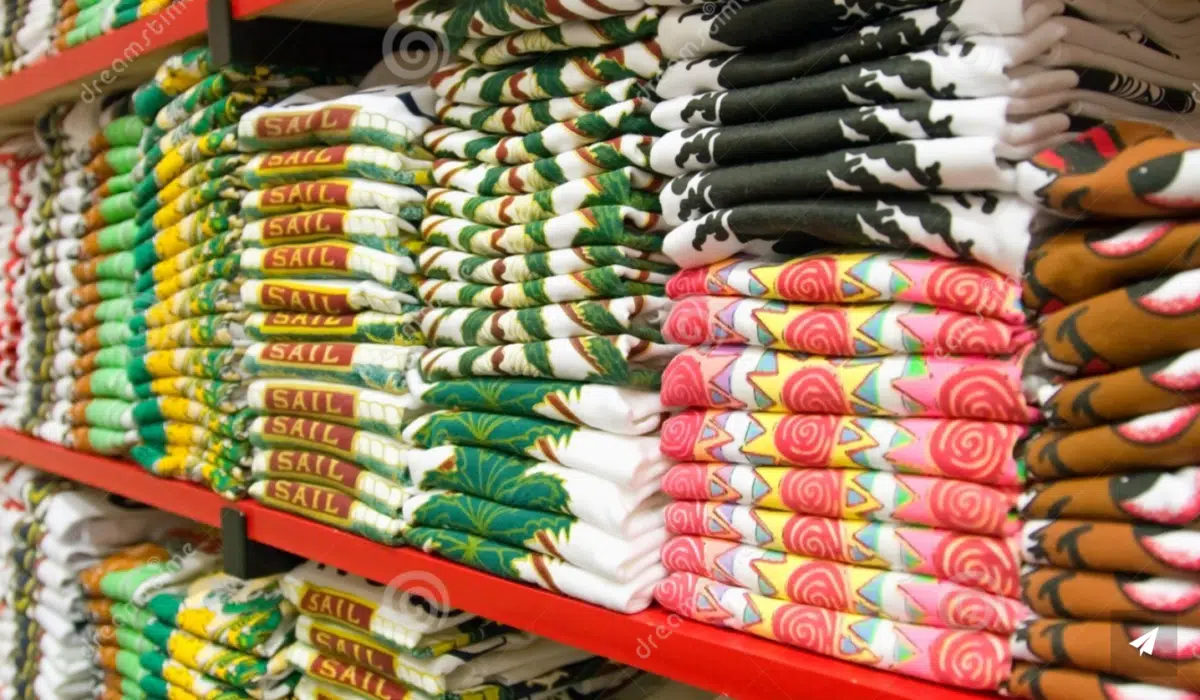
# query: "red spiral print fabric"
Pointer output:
{"type": "Point", "coordinates": [862, 330]}
{"type": "Point", "coordinates": [857, 277]}
{"type": "Point", "coordinates": [977, 451]}
{"type": "Point", "coordinates": [806, 441]}
{"type": "Point", "coordinates": [965, 659]}
{"type": "Point", "coordinates": [813, 491]}
{"type": "Point", "coordinates": [842, 587]}
{"type": "Point", "coordinates": [736, 377]}
{"type": "Point", "coordinates": [988, 563]}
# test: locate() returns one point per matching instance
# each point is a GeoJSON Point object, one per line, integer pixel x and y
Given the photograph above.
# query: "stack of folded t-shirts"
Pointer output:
{"type": "Point", "coordinates": [922, 106]}
{"type": "Point", "coordinates": [847, 457]}
{"type": "Point", "coordinates": [91, 18]}
{"type": "Point", "coordinates": [177, 628]}
{"type": "Point", "coordinates": [543, 266]}
{"type": "Point", "coordinates": [1110, 514]}
{"type": "Point", "coordinates": [12, 514]}
{"type": "Point", "coordinates": [64, 531]}
{"type": "Point", "coordinates": [50, 292]}
{"type": "Point", "coordinates": [329, 250]}
{"type": "Point", "coordinates": [192, 415]}
{"type": "Point", "coordinates": [17, 162]}
{"type": "Point", "coordinates": [35, 36]}
{"type": "Point", "coordinates": [357, 639]}
{"type": "Point", "coordinates": [102, 396]}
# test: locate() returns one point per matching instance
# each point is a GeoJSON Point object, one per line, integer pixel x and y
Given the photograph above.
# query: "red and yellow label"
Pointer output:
{"type": "Point", "coordinates": [328, 193]}
{"type": "Point", "coordinates": [334, 403]}
{"type": "Point", "coordinates": [336, 605]}
{"type": "Point", "coordinates": [309, 324]}
{"type": "Point", "coordinates": [363, 650]}
{"type": "Point", "coordinates": [295, 296]}
{"type": "Point", "coordinates": [291, 124]}
{"type": "Point", "coordinates": [306, 160]}
{"type": "Point", "coordinates": [320, 504]}
{"type": "Point", "coordinates": [312, 466]}
{"type": "Point", "coordinates": [315, 257]}
{"type": "Point", "coordinates": [320, 435]}
{"type": "Point", "coordinates": [309, 225]}
{"type": "Point", "coordinates": [356, 678]}
{"type": "Point", "coordinates": [312, 355]}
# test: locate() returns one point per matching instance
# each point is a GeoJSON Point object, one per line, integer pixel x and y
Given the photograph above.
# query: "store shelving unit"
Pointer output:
{"type": "Point", "coordinates": [729, 663]}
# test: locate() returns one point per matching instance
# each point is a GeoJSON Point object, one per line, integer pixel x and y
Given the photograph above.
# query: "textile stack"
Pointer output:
{"type": "Point", "coordinates": [1110, 511]}
{"type": "Point", "coordinates": [192, 416]}
{"type": "Point", "coordinates": [83, 20]}
{"type": "Point", "coordinates": [545, 279]}
{"type": "Point", "coordinates": [26, 32]}
{"type": "Point", "coordinates": [18, 158]}
{"type": "Point", "coordinates": [62, 530]}
{"type": "Point", "coordinates": [357, 639]}
{"type": "Point", "coordinates": [48, 292]}
{"type": "Point", "coordinates": [847, 466]}
{"type": "Point", "coordinates": [330, 245]}
{"type": "Point", "coordinates": [180, 630]}
{"type": "Point", "coordinates": [101, 415]}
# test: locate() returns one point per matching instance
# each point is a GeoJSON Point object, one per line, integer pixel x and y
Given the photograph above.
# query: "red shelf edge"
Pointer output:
{"type": "Point", "coordinates": [733, 664]}
{"type": "Point", "coordinates": [189, 19]}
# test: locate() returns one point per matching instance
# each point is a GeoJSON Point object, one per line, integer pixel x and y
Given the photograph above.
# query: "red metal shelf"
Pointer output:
{"type": "Point", "coordinates": [722, 661]}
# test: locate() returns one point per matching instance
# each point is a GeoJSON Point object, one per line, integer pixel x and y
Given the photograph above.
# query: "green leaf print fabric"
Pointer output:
{"type": "Point", "coordinates": [227, 665]}
{"type": "Point", "coordinates": [173, 77]}
{"type": "Point", "coordinates": [628, 187]}
{"type": "Point", "coordinates": [222, 330]}
{"type": "Point", "coordinates": [377, 411]}
{"type": "Point", "coordinates": [543, 174]}
{"type": "Point", "coordinates": [179, 434]}
{"type": "Point", "coordinates": [578, 543]}
{"type": "Point", "coordinates": [334, 298]}
{"type": "Point", "coordinates": [370, 162]}
{"type": "Point", "coordinates": [373, 228]}
{"type": "Point", "coordinates": [172, 408]}
{"type": "Point", "coordinates": [446, 263]}
{"type": "Point", "coordinates": [329, 506]}
{"type": "Point", "coordinates": [362, 327]}
{"type": "Point", "coordinates": [369, 366]}
{"type": "Point", "coordinates": [528, 117]}
{"type": "Point", "coordinates": [542, 486]}
{"type": "Point", "coordinates": [250, 615]}
{"type": "Point", "coordinates": [318, 469]}
{"type": "Point", "coordinates": [576, 34]}
{"type": "Point", "coordinates": [557, 74]}
{"type": "Point", "coordinates": [230, 187]}
{"type": "Point", "coordinates": [221, 142]}
{"type": "Point", "coordinates": [201, 363]}
{"type": "Point", "coordinates": [335, 193]}
{"type": "Point", "coordinates": [481, 19]}
{"type": "Point", "coordinates": [227, 268]}
{"type": "Point", "coordinates": [382, 455]}
{"type": "Point", "coordinates": [226, 397]}
{"type": "Point", "coordinates": [457, 327]}
{"type": "Point", "coordinates": [218, 296]}
{"type": "Point", "coordinates": [198, 684]}
{"type": "Point", "coordinates": [158, 269]}
{"type": "Point", "coordinates": [563, 137]}
{"type": "Point", "coordinates": [542, 570]}
{"type": "Point", "coordinates": [194, 229]}
{"type": "Point", "coordinates": [606, 225]}
{"type": "Point", "coordinates": [603, 282]}
{"type": "Point", "coordinates": [608, 408]}
{"type": "Point", "coordinates": [147, 191]}
{"type": "Point", "coordinates": [207, 467]}
{"type": "Point", "coordinates": [621, 360]}
{"type": "Point", "coordinates": [331, 260]}
{"type": "Point", "coordinates": [629, 462]}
